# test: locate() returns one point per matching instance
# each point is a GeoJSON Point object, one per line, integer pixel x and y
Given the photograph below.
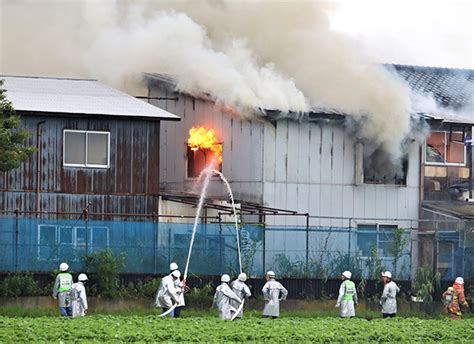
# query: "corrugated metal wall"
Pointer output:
{"type": "Point", "coordinates": [129, 185]}
{"type": "Point", "coordinates": [304, 166]}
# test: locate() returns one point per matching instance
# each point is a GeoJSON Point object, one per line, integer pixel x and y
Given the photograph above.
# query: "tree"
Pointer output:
{"type": "Point", "coordinates": [12, 137]}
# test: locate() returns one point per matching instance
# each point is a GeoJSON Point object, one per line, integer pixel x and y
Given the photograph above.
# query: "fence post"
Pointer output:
{"type": "Point", "coordinates": [220, 242]}
{"type": "Point", "coordinates": [17, 237]}
{"type": "Point", "coordinates": [155, 241]}
{"type": "Point", "coordinates": [84, 212]}
{"type": "Point", "coordinates": [307, 243]}
{"type": "Point", "coordinates": [264, 245]}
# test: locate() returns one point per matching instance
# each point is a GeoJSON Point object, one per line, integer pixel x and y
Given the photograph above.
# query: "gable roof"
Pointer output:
{"type": "Point", "coordinates": [76, 96]}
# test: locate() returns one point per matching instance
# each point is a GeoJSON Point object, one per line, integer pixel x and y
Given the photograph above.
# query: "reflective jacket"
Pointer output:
{"type": "Point", "coordinates": [168, 293]}
{"type": "Point", "coordinates": [62, 287]}
{"type": "Point", "coordinates": [242, 291]}
{"type": "Point", "coordinates": [347, 298]}
{"type": "Point", "coordinates": [388, 299]}
{"type": "Point", "coordinates": [458, 299]}
{"type": "Point", "coordinates": [273, 292]}
{"type": "Point", "coordinates": [78, 299]}
{"type": "Point", "coordinates": [222, 299]}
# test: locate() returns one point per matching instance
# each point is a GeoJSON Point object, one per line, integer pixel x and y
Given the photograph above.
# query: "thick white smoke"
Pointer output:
{"type": "Point", "coordinates": [258, 54]}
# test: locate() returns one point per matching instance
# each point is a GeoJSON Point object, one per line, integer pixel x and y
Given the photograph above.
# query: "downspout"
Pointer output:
{"type": "Point", "coordinates": [38, 166]}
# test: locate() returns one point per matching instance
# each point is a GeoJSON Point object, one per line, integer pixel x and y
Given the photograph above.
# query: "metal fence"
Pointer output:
{"type": "Point", "coordinates": [30, 242]}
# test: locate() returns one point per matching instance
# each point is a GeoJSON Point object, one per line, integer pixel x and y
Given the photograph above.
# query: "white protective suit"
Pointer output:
{"type": "Point", "coordinates": [179, 285]}
{"type": "Point", "coordinates": [168, 293]}
{"type": "Point", "coordinates": [347, 299]}
{"type": "Point", "coordinates": [271, 293]}
{"type": "Point", "coordinates": [222, 300]}
{"type": "Point", "coordinates": [242, 291]}
{"type": "Point", "coordinates": [78, 299]}
{"type": "Point", "coordinates": [388, 299]}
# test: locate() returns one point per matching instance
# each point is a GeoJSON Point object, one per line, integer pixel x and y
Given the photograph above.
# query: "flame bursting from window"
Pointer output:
{"type": "Point", "coordinates": [201, 138]}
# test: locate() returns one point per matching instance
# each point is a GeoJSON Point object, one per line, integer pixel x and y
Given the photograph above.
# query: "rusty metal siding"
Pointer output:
{"type": "Point", "coordinates": [133, 171]}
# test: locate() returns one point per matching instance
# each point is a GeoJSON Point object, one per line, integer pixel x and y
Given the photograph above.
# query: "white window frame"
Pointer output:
{"type": "Point", "coordinates": [446, 136]}
{"type": "Point", "coordinates": [87, 144]}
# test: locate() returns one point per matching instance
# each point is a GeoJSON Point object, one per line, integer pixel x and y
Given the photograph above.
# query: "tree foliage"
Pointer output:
{"type": "Point", "coordinates": [12, 136]}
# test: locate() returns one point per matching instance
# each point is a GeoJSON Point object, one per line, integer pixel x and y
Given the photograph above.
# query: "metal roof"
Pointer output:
{"type": "Point", "coordinates": [76, 96]}
{"type": "Point", "coordinates": [461, 210]}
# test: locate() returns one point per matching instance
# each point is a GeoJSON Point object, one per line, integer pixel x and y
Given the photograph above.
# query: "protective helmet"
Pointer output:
{"type": "Point", "coordinates": [82, 278]}
{"type": "Point", "coordinates": [347, 274]}
{"type": "Point", "coordinates": [459, 280]}
{"type": "Point", "coordinates": [225, 278]}
{"type": "Point", "coordinates": [173, 266]}
{"type": "Point", "coordinates": [176, 274]}
{"type": "Point", "coordinates": [387, 274]}
{"type": "Point", "coordinates": [243, 277]}
{"type": "Point", "coordinates": [270, 274]}
{"type": "Point", "coordinates": [63, 267]}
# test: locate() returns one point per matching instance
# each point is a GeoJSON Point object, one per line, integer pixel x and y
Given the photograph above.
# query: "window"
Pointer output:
{"type": "Point", "coordinates": [67, 242]}
{"type": "Point", "coordinates": [377, 236]}
{"type": "Point", "coordinates": [378, 168]}
{"type": "Point", "coordinates": [445, 148]}
{"type": "Point", "coordinates": [199, 159]}
{"type": "Point", "coordinates": [83, 148]}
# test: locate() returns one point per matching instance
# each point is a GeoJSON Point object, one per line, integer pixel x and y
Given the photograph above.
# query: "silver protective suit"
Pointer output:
{"type": "Point", "coordinates": [242, 291]}
{"type": "Point", "coordinates": [273, 293]}
{"type": "Point", "coordinates": [222, 300]}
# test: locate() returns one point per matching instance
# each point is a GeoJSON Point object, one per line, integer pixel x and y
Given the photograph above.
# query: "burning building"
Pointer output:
{"type": "Point", "coordinates": [318, 165]}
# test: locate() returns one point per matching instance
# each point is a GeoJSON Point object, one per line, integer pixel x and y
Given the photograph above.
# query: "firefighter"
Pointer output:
{"type": "Point", "coordinates": [169, 293]}
{"type": "Point", "coordinates": [61, 290]}
{"type": "Point", "coordinates": [273, 293]}
{"type": "Point", "coordinates": [79, 297]}
{"type": "Point", "coordinates": [241, 290]}
{"type": "Point", "coordinates": [223, 297]}
{"type": "Point", "coordinates": [457, 299]}
{"type": "Point", "coordinates": [388, 301]}
{"type": "Point", "coordinates": [347, 299]}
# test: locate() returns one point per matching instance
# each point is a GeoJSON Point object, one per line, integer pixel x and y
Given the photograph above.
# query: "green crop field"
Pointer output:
{"type": "Point", "coordinates": [151, 328]}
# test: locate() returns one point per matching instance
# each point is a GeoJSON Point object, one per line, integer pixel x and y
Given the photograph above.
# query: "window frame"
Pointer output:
{"type": "Point", "coordinates": [86, 132]}
{"type": "Point", "coordinates": [445, 163]}
{"type": "Point", "coordinates": [378, 232]}
{"type": "Point", "coordinates": [214, 175]}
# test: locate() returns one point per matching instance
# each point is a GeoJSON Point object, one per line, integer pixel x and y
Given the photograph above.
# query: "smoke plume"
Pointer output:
{"type": "Point", "coordinates": [259, 54]}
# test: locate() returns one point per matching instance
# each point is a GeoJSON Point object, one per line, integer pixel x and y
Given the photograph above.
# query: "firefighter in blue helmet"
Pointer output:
{"type": "Point", "coordinates": [62, 288]}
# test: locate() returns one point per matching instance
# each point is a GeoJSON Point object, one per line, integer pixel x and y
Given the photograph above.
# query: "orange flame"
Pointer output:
{"type": "Point", "coordinates": [200, 138]}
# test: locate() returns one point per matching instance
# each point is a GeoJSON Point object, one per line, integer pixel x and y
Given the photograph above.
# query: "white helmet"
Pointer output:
{"type": "Point", "coordinates": [63, 267]}
{"type": "Point", "coordinates": [176, 274]}
{"type": "Point", "coordinates": [225, 278]}
{"type": "Point", "coordinates": [270, 273]}
{"type": "Point", "coordinates": [387, 274]}
{"type": "Point", "coordinates": [347, 274]}
{"type": "Point", "coordinates": [459, 280]}
{"type": "Point", "coordinates": [82, 278]}
{"type": "Point", "coordinates": [243, 277]}
{"type": "Point", "coordinates": [173, 266]}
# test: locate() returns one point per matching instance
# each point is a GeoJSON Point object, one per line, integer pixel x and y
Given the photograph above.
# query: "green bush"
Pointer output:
{"type": "Point", "coordinates": [425, 284]}
{"type": "Point", "coordinates": [142, 289]}
{"type": "Point", "coordinates": [19, 284]}
{"type": "Point", "coordinates": [200, 297]}
{"type": "Point", "coordinates": [106, 268]}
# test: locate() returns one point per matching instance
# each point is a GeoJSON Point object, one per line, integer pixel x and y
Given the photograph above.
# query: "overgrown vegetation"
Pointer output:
{"type": "Point", "coordinates": [19, 284]}
{"type": "Point", "coordinates": [106, 268]}
{"type": "Point", "coordinates": [400, 240]}
{"type": "Point", "coordinates": [12, 136]}
{"type": "Point", "coordinates": [425, 284]}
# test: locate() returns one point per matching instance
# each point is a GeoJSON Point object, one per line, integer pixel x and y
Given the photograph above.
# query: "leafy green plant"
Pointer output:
{"type": "Point", "coordinates": [284, 267]}
{"type": "Point", "coordinates": [142, 289]}
{"type": "Point", "coordinates": [400, 240]}
{"type": "Point", "coordinates": [374, 264]}
{"type": "Point", "coordinates": [19, 284]}
{"type": "Point", "coordinates": [346, 261]}
{"type": "Point", "coordinates": [106, 267]}
{"type": "Point", "coordinates": [425, 284]}
{"type": "Point", "coordinates": [200, 297]}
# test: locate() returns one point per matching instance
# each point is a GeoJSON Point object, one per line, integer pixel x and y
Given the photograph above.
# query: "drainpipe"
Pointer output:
{"type": "Point", "coordinates": [38, 166]}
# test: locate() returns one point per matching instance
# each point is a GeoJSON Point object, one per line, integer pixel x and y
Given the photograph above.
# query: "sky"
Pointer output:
{"type": "Point", "coordinates": [421, 32]}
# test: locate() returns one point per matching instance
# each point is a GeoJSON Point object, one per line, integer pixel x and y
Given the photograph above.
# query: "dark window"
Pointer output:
{"type": "Point", "coordinates": [380, 169]}
{"type": "Point", "coordinates": [86, 148]}
{"type": "Point", "coordinates": [199, 159]}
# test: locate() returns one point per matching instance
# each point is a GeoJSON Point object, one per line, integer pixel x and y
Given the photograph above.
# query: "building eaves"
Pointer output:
{"type": "Point", "coordinates": [82, 97]}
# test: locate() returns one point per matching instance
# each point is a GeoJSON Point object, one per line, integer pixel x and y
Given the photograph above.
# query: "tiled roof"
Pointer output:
{"type": "Point", "coordinates": [452, 88]}
{"type": "Point", "coordinates": [76, 96]}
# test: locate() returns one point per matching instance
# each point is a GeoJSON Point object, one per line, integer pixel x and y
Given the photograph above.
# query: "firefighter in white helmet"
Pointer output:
{"type": "Point", "coordinates": [241, 290]}
{"type": "Point", "coordinates": [223, 298]}
{"type": "Point", "coordinates": [347, 299]}
{"type": "Point", "coordinates": [179, 285]}
{"type": "Point", "coordinates": [168, 294]}
{"type": "Point", "coordinates": [388, 301]}
{"type": "Point", "coordinates": [62, 287]}
{"type": "Point", "coordinates": [79, 297]}
{"type": "Point", "coordinates": [273, 293]}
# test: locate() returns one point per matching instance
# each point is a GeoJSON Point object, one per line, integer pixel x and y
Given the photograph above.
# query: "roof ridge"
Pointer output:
{"type": "Point", "coordinates": [46, 77]}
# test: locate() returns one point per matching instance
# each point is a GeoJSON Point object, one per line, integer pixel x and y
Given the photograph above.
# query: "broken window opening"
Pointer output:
{"type": "Point", "coordinates": [379, 169]}
{"type": "Point", "coordinates": [199, 159]}
{"type": "Point", "coordinates": [444, 148]}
